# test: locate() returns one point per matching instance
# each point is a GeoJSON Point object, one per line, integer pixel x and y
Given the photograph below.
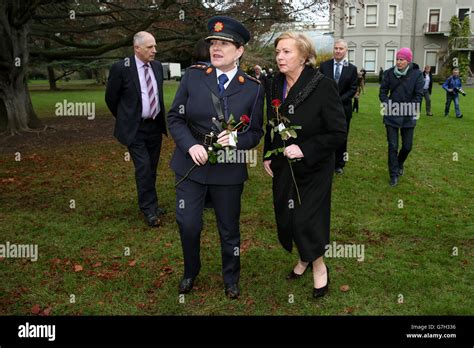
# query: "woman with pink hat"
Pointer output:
{"type": "Point", "coordinates": [401, 93]}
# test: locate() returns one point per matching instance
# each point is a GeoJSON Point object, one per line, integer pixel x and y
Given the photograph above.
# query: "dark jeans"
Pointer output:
{"type": "Point", "coordinates": [145, 152]}
{"type": "Point", "coordinates": [396, 158]}
{"type": "Point", "coordinates": [452, 97]}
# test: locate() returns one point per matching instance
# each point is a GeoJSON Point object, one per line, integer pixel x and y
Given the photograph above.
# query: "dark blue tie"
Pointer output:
{"type": "Point", "coordinates": [337, 75]}
{"type": "Point", "coordinates": [222, 80]}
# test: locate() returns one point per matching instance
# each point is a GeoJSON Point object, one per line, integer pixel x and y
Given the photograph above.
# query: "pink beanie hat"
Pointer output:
{"type": "Point", "coordinates": [405, 53]}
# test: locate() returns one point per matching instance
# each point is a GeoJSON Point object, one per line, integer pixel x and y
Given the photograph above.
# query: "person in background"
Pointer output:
{"type": "Point", "coordinates": [345, 75]}
{"type": "Point", "coordinates": [380, 75]}
{"type": "Point", "coordinates": [134, 95]}
{"type": "Point", "coordinates": [427, 88]}
{"type": "Point", "coordinates": [452, 86]}
{"type": "Point", "coordinates": [401, 89]}
{"type": "Point", "coordinates": [201, 54]}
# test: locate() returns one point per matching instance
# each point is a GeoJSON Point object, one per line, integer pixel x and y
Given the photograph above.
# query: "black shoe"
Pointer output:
{"type": "Point", "coordinates": [292, 275]}
{"type": "Point", "coordinates": [339, 171]}
{"type": "Point", "coordinates": [186, 285]}
{"type": "Point", "coordinates": [152, 220]}
{"type": "Point", "coordinates": [160, 211]}
{"type": "Point", "coordinates": [401, 171]}
{"type": "Point", "coordinates": [320, 292]}
{"type": "Point", "coordinates": [232, 290]}
{"type": "Point", "coordinates": [460, 116]}
{"type": "Point", "coordinates": [394, 181]}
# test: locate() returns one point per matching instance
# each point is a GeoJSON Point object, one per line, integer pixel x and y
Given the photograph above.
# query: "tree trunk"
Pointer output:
{"type": "Point", "coordinates": [52, 79]}
{"type": "Point", "coordinates": [15, 101]}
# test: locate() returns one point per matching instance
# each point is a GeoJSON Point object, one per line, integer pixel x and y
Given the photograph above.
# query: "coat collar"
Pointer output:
{"type": "Point", "coordinates": [211, 81]}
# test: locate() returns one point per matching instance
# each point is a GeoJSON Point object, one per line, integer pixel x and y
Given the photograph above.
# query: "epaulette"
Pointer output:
{"type": "Point", "coordinates": [252, 78]}
{"type": "Point", "coordinates": [198, 66]}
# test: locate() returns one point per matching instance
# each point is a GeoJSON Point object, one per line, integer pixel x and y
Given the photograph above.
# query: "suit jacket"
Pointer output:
{"type": "Point", "coordinates": [243, 96]}
{"type": "Point", "coordinates": [123, 97]}
{"type": "Point", "coordinates": [347, 82]}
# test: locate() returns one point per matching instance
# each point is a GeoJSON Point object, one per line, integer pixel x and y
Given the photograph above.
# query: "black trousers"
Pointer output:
{"type": "Point", "coordinates": [396, 158]}
{"type": "Point", "coordinates": [145, 153]}
{"type": "Point", "coordinates": [340, 163]}
{"type": "Point", "coordinates": [190, 200]}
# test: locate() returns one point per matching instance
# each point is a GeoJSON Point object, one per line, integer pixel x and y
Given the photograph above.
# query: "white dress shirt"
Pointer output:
{"type": "Point", "coordinates": [144, 89]}
{"type": "Point", "coordinates": [230, 75]}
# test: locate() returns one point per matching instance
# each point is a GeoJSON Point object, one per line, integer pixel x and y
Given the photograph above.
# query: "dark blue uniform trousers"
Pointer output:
{"type": "Point", "coordinates": [145, 153]}
{"type": "Point", "coordinates": [190, 200]}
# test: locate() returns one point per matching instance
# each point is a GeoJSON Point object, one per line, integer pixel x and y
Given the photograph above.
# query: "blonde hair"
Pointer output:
{"type": "Point", "coordinates": [303, 43]}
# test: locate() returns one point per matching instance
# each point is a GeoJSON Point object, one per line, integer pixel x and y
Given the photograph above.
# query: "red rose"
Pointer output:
{"type": "Point", "coordinates": [276, 103]}
{"type": "Point", "coordinates": [245, 120]}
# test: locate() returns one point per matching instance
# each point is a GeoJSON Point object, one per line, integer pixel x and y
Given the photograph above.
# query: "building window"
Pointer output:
{"type": "Point", "coordinates": [463, 13]}
{"type": "Point", "coordinates": [351, 56]}
{"type": "Point", "coordinates": [433, 24]}
{"type": "Point", "coordinates": [390, 58]}
{"type": "Point", "coordinates": [431, 59]}
{"type": "Point", "coordinates": [392, 15]}
{"type": "Point", "coordinates": [371, 15]}
{"type": "Point", "coordinates": [352, 17]}
{"type": "Point", "coordinates": [370, 59]}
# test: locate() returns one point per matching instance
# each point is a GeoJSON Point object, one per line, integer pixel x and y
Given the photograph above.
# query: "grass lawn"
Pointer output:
{"type": "Point", "coordinates": [418, 258]}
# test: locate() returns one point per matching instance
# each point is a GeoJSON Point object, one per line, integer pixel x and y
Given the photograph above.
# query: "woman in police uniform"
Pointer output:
{"type": "Point", "coordinates": [205, 92]}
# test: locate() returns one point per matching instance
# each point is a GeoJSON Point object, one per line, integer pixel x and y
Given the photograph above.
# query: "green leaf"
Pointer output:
{"type": "Point", "coordinates": [217, 146]}
{"type": "Point", "coordinates": [272, 134]}
{"type": "Point", "coordinates": [292, 133]}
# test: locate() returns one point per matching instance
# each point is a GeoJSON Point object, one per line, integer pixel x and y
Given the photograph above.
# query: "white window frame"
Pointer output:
{"type": "Point", "coordinates": [376, 15]}
{"type": "Point", "coordinates": [349, 25]}
{"type": "Point", "coordinates": [437, 55]}
{"type": "Point", "coordinates": [396, 15]}
{"type": "Point", "coordinates": [354, 55]}
{"type": "Point", "coordinates": [469, 12]}
{"type": "Point", "coordinates": [440, 17]}
{"type": "Point", "coordinates": [394, 57]}
{"type": "Point", "coordinates": [376, 57]}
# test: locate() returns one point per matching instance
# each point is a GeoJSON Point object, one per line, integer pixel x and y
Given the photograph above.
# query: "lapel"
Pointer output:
{"type": "Point", "coordinates": [234, 86]}
{"type": "Point", "coordinates": [134, 74]}
{"type": "Point", "coordinates": [211, 81]}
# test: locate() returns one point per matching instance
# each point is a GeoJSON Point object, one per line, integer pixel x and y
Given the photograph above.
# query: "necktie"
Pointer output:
{"type": "Point", "coordinates": [222, 80]}
{"type": "Point", "coordinates": [337, 74]}
{"type": "Point", "coordinates": [151, 93]}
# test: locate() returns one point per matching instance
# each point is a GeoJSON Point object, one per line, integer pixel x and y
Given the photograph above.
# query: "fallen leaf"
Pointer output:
{"type": "Point", "coordinates": [168, 245]}
{"type": "Point", "coordinates": [78, 268]}
{"type": "Point", "coordinates": [344, 288]}
{"type": "Point", "coordinates": [36, 309]}
{"type": "Point", "coordinates": [47, 311]}
{"type": "Point", "coordinates": [132, 263]}
{"type": "Point", "coordinates": [349, 310]}
{"type": "Point", "coordinates": [97, 264]}
{"type": "Point", "coordinates": [158, 283]}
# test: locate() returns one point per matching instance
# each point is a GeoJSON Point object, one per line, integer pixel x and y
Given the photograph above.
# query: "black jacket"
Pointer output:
{"type": "Point", "coordinates": [347, 83]}
{"type": "Point", "coordinates": [123, 97]}
{"type": "Point", "coordinates": [193, 107]}
{"type": "Point", "coordinates": [405, 92]}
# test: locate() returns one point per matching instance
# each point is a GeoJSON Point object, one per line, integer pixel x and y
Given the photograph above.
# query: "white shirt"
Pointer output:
{"type": "Point", "coordinates": [230, 75]}
{"type": "Point", "coordinates": [144, 89]}
{"type": "Point", "coordinates": [427, 82]}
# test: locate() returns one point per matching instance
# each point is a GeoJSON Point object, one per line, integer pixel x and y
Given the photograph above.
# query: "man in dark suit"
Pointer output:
{"type": "Point", "coordinates": [345, 74]}
{"type": "Point", "coordinates": [134, 95]}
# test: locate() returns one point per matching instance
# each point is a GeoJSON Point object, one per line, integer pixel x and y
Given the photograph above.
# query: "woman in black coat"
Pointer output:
{"type": "Point", "coordinates": [311, 101]}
